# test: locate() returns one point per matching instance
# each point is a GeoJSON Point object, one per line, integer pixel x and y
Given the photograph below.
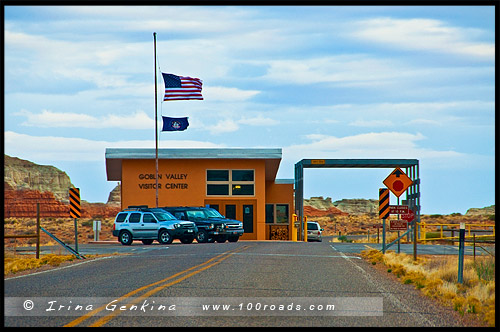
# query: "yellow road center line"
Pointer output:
{"type": "Point", "coordinates": [105, 319]}
{"type": "Point", "coordinates": [223, 255]}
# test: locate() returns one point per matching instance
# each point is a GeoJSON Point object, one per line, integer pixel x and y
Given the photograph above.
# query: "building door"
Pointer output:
{"type": "Point", "coordinates": [230, 211]}
{"type": "Point", "coordinates": [248, 218]}
{"type": "Point", "coordinates": [243, 211]}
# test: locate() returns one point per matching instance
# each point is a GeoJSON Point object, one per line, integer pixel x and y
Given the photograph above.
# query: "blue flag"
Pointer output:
{"type": "Point", "coordinates": [174, 124]}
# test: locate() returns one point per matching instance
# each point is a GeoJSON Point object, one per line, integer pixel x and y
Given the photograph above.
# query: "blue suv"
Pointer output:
{"type": "Point", "coordinates": [212, 226]}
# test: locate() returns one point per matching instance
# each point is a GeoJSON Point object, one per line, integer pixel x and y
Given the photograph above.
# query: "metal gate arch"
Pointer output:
{"type": "Point", "coordinates": [410, 165]}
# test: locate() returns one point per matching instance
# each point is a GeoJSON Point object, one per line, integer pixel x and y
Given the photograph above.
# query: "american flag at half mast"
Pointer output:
{"type": "Point", "coordinates": [182, 87]}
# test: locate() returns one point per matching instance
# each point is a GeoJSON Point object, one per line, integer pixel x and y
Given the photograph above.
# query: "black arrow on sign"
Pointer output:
{"type": "Point", "coordinates": [397, 172]}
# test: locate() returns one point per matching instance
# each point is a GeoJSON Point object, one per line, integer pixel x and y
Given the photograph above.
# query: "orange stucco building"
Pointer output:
{"type": "Point", "coordinates": [240, 183]}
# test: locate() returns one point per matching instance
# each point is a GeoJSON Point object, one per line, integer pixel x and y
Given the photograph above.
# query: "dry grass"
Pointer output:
{"type": "Point", "coordinates": [437, 277]}
{"type": "Point", "coordinates": [14, 264]}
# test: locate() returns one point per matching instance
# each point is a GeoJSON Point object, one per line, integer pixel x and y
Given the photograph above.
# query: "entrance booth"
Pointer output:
{"type": "Point", "coordinates": [240, 183]}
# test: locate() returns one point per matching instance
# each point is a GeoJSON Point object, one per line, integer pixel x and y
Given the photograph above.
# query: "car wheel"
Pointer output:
{"type": "Point", "coordinates": [164, 237]}
{"type": "Point", "coordinates": [126, 238]}
{"type": "Point", "coordinates": [202, 236]}
{"type": "Point", "coordinates": [147, 242]}
{"type": "Point", "coordinates": [187, 240]}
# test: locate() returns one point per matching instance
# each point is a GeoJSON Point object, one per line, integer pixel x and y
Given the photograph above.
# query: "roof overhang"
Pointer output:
{"type": "Point", "coordinates": [115, 156]}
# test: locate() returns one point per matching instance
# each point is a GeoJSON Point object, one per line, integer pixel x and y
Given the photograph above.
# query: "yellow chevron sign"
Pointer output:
{"type": "Point", "coordinates": [74, 202]}
{"type": "Point", "coordinates": [383, 203]}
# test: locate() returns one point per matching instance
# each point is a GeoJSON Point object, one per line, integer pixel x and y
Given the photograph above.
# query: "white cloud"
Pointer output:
{"type": "Point", "coordinates": [223, 126]}
{"type": "Point", "coordinates": [258, 121]}
{"type": "Point", "coordinates": [390, 145]}
{"type": "Point", "coordinates": [218, 93]}
{"type": "Point", "coordinates": [50, 149]}
{"type": "Point", "coordinates": [372, 123]}
{"type": "Point", "coordinates": [423, 34]}
{"type": "Point", "coordinates": [230, 125]}
{"type": "Point", "coordinates": [353, 68]}
{"type": "Point", "coordinates": [50, 119]}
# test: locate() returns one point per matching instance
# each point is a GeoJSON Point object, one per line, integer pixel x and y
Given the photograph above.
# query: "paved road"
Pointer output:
{"type": "Point", "coordinates": [265, 284]}
{"type": "Point", "coordinates": [137, 247]}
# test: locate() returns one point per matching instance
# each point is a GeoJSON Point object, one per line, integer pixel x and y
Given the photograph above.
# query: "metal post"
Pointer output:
{"type": "Point", "coordinates": [474, 245]}
{"type": "Point", "coordinates": [76, 235]}
{"type": "Point", "coordinates": [37, 230]}
{"type": "Point", "coordinates": [417, 212]}
{"type": "Point", "coordinates": [399, 242]}
{"type": "Point", "coordinates": [305, 229]}
{"type": "Point", "coordinates": [156, 124]}
{"type": "Point", "coordinates": [383, 236]}
{"type": "Point", "coordinates": [461, 254]}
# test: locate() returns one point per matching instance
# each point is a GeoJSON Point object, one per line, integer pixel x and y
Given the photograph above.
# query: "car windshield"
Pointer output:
{"type": "Point", "coordinates": [212, 213]}
{"type": "Point", "coordinates": [312, 227]}
{"type": "Point", "coordinates": [195, 214]}
{"type": "Point", "coordinates": [164, 216]}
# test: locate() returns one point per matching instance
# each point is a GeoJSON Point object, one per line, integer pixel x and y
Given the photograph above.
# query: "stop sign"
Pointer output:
{"type": "Point", "coordinates": [408, 217]}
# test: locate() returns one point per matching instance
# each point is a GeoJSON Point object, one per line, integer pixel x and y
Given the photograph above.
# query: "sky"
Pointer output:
{"type": "Point", "coordinates": [327, 82]}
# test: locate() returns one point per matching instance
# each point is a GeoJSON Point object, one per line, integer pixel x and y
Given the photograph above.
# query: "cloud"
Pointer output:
{"type": "Point", "coordinates": [372, 123]}
{"type": "Point", "coordinates": [353, 68]}
{"type": "Point", "coordinates": [424, 35]}
{"type": "Point", "coordinates": [50, 149]}
{"type": "Point", "coordinates": [218, 93]}
{"type": "Point", "coordinates": [223, 126]}
{"type": "Point", "coordinates": [50, 119]}
{"type": "Point", "coordinates": [382, 145]}
{"type": "Point", "coordinates": [229, 125]}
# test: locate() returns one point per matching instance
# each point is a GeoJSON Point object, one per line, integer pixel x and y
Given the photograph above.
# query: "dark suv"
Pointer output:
{"type": "Point", "coordinates": [212, 226]}
{"type": "Point", "coordinates": [149, 224]}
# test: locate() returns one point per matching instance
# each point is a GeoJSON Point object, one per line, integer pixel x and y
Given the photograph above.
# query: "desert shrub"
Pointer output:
{"type": "Point", "coordinates": [87, 223]}
{"type": "Point", "coordinates": [343, 238]}
{"type": "Point", "coordinates": [373, 255]}
{"type": "Point", "coordinates": [438, 278]}
{"type": "Point", "coordinates": [485, 268]}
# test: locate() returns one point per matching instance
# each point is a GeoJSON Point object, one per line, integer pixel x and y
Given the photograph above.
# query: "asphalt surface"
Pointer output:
{"type": "Point", "coordinates": [265, 284]}
{"type": "Point", "coordinates": [112, 247]}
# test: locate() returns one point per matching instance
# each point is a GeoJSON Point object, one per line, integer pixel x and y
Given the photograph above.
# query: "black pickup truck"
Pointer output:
{"type": "Point", "coordinates": [212, 226]}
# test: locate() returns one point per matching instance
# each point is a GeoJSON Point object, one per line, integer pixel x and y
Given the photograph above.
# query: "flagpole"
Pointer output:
{"type": "Point", "coordinates": [156, 122]}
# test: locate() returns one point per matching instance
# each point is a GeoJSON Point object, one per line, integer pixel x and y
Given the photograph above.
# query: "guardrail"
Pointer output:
{"type": "Point", "coordinates": [447, 231]}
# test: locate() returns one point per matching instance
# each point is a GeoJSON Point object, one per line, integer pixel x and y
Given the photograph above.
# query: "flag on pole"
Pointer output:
{"type": "Point", "coordinates": [182, 87]}
{"type": "Point", "coordinates": [174, 124]}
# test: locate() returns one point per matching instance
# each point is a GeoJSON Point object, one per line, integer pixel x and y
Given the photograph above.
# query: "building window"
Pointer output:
{"type": "Point", "coordinates": [217, 175]}
{"type": "Point", "coordinates": [277, 214]}
{"type": "Point", "coordinates": [282, 213]}
{"type": "Point", "coordinates": [218, 189]}
{"type": "Point", "coordinates": [269, 213]}
{"type": "Point", "coordinates": [242, 175]}
{"type": "Point", "coordinates": [239, 182]}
